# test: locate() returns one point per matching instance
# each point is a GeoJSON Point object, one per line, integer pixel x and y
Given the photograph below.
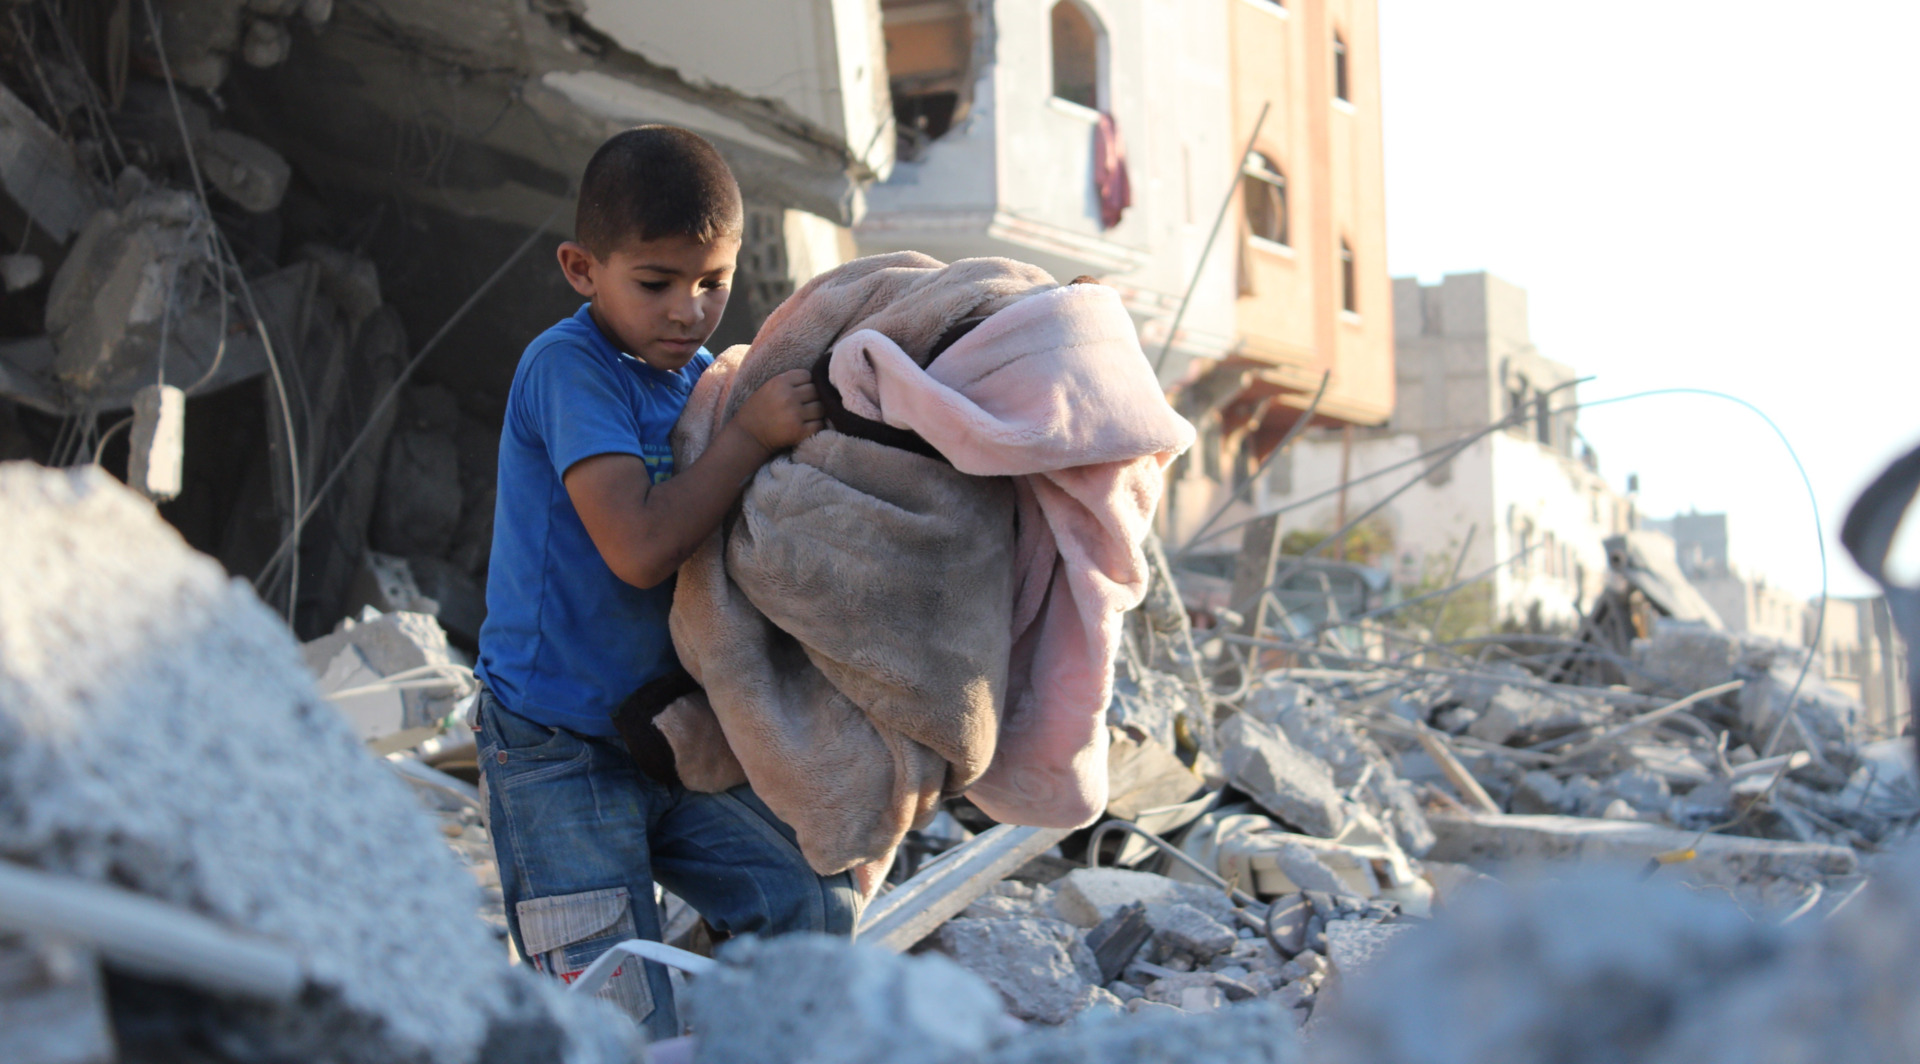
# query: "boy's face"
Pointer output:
{"type": "Point", "coordinates": [657, 300]}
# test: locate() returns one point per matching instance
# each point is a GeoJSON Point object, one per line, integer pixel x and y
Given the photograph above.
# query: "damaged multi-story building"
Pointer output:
{"type": "Point", "coordinates": [279, 207]}
{"type": "Point", "coordinates": [1512, 498]}
{"type": "Point", "coordinates": [1111, 137]}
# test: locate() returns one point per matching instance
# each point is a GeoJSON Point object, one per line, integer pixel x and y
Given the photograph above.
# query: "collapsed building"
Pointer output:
{"type": "Point", "coordinates": [1299, 856]}
{"type": "Point", "coordinates": [1317, 818]}
{"type": "Point", "coordinates": [322, 226]}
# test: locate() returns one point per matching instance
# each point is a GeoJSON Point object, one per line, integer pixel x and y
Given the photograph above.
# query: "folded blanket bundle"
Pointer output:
{"type": "Point", "coordinates": [880, 625]}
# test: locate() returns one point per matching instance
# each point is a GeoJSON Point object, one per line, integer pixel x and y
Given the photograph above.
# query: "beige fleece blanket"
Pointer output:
{"type": "Point", "coordinates": [852, 625]}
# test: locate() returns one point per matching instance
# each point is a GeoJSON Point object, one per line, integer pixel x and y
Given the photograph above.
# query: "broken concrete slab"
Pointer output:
{"type": "Point", "coordinates": [1723, 860]}
{"type": "Point", "coordinates": [39, 172]}
{"type": "Point", "coordinates": [821, 1000]}
{"type": "Point", "coordinates": [389, 643]}
{"type": "Point", "coordinates": [180, 751]}
{"type": "Point", "coordinates": [1285, 780]}
{"type": "Point", "coordinates": [1830, 716]}
{"type": "Point", "coordinates": [1041, 968]}
{"type": "Point", "coordinates": [1519, 715]}
{"type": "Point", "coordinates": [1088, 896]}
{"type": "Point", "coordinates": [1180, 930]}
{"type": "Point", "coordinates": [112, 296]}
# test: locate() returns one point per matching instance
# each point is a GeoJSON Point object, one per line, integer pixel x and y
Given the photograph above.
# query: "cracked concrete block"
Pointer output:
{"type": "Point", "coordinates": [1833, 717]}
{"type": "Point", "coordinates": [1087, 896]}
{"type": "Point", "coordinates": [1736, 862]}
{"type": "Point", "coordinates": [390, 643]}
{"type": "Point", "coordinates": [157, 731]}
{"type": "Point", "coordinates": [817, 999]}
{"type": "Point", "coordinates": [40, 173]}
{"type": "Point", "coordinates": [1285, 780]}
{"type": "Point", "coordinates": [1041, 968]}
{"type": "Point", "coordinates": [1180, 930]}
{"type": "Point", "coordinates": [109, 299]}
{"type": "Point", "coordinates": [1530, 716]}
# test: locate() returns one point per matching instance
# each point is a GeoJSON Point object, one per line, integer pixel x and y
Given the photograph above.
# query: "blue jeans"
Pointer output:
{"type": "Point", "coordinates": [582, 834]}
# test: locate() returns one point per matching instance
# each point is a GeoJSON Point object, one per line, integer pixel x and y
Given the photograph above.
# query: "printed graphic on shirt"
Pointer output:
{"type": "Point", "coordinates": [659, 462]}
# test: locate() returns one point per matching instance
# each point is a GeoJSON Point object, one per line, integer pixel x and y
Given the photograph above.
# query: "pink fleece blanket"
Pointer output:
{"type": "Point", "coordinates": [1054, 391]}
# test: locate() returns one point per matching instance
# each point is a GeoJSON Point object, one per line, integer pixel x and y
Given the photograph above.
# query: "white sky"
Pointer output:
{"type": "Point", "coordinates": [1694, 193]}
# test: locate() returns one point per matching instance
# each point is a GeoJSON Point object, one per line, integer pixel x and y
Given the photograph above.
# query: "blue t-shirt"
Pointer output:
{"type": "Point", "coordinates": [566, 641]}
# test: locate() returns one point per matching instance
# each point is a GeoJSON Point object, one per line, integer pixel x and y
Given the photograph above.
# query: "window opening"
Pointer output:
{"type": "Point", "coordinates": [1263, 188]}
{"type": "Point", "coordinates": [1348, 301]}
{"type": "Point", "coordinates": [1076, 55]}
{"type": "Point", "coordinates": [930, 71]}
{"type": "Point", "coordinates": [1340, 70]}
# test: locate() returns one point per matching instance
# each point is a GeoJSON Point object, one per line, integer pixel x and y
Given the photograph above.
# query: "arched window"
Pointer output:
{"type": "Point", "coordinates": [1076, 55]}
{"type": "Point", "coordinates": [1349, 302]}
{"type": "Point", "coordinates": [1340, 70]}
{"type": "Point", "coordinates": [1264, 189]}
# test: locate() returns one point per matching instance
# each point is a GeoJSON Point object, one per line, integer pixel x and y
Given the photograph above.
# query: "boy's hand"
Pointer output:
{"type": "Point", "coordinates": [783, 411]}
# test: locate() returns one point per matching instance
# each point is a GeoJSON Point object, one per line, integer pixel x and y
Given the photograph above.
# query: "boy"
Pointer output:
{"type": "Point", "coordinates": [591, 523]}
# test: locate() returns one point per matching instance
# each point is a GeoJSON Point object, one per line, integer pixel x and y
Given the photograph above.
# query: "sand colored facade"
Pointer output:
{"type": "Point", "coordinates": [1314, 294]}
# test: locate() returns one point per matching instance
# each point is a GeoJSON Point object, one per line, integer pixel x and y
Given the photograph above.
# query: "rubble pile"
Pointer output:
{"type": "Point", "coordinates": [159, 739]}
{"type": "Point", "coordinates": [181, 307]}
{"type": "Point", "coordinates": [1326, 803]}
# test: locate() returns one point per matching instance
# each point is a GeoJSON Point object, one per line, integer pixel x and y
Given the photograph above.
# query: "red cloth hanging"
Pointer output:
{"type": "Point", "coordinates": [1110, 172]}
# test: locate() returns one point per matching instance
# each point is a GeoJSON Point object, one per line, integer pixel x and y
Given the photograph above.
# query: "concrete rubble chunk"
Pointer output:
{"type": "Point", "coordinates": [1042, 968]}
{"type": "Point", "coordinates": [39, 171]}
{"type": "Point", "coordinates": [820, 1000]}
{"type": "Point", "coordinates": [388, 643]}
{"type": "Point", "coordinates": [1285, 780]}
{"type": "Point", "coordinates": [1738, 862]}
{"type": "Point", "coordinates": [179, 750]}
{"type": "Point", "coordinates": [1085, 897]}
{"type": "Point", "coordinates": [1830, 716]}
{"type": "Point", "coordinates": [1355, 945]}
{"type": "Point", "coordinates": [1516, 713]}
{"type": "Point", "coordinates": [109, 300]}
{"type": "Point", "coordinates": [1180, 930]}
{"type": "Point", "coordinates": [1316, 724]}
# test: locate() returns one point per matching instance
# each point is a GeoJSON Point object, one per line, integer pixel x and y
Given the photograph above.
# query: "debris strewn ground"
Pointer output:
{"type": "Point", "coordinates": [1303, 858]}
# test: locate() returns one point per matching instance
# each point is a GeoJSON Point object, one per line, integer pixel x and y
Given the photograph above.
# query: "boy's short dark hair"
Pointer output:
{"type": "Point", "coordinates": [652, 182]}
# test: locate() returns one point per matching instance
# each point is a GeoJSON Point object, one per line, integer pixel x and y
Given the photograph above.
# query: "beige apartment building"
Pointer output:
{"type": "Point", "coordinates": [1307, 225]}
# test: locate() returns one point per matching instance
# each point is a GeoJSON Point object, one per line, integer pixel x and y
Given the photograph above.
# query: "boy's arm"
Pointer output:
{"type": "Point", "coordinates": [645, 530]}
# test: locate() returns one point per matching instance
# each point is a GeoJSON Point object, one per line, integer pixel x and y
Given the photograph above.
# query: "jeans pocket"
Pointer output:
{"type": "Point", "coordinates": [516, 750]}
{"type": "Point", "coordinates": [565, 933]}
